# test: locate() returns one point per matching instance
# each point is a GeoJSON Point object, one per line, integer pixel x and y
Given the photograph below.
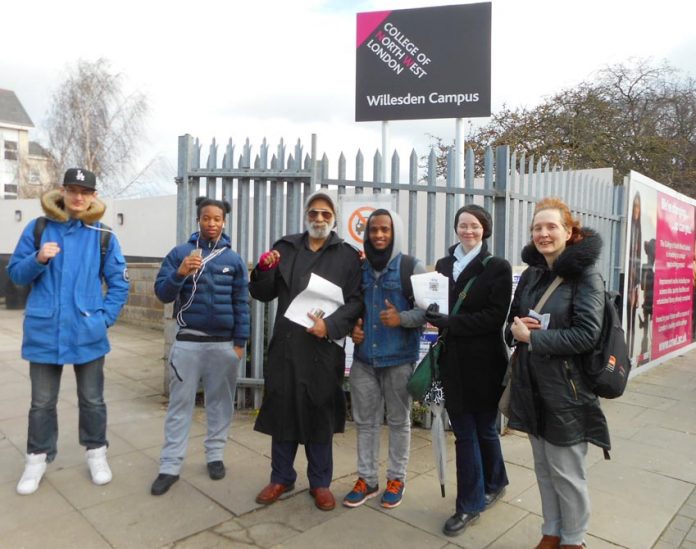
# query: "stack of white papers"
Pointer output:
{"type": "Point", "coordinates": [431, 288]}
{"type": "Point", "coordinates": [320, 297]}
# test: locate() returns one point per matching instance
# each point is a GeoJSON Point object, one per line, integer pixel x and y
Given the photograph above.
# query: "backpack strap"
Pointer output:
{"type": "Point", "coordinates": [104, 241]}
{"type": "Point", "coordinates": [408, 264]}
{"type": "Point", "coordinates": [39, 227]}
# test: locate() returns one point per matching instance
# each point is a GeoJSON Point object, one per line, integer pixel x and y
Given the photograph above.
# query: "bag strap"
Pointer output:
{"type": "Point", "coordinates": [466, 289]}
{"type": "Point", "coordinates": [545, 296]}
{"type": "Point", "coordinates": [39, 227]}
{"type": "Point", "coordinates": [408, 264]}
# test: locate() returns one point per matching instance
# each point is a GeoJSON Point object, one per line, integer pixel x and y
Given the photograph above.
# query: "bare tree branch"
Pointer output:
{"type": "Point", "coordinates": [633, 116]}
{"type": "Point", "coordinates": [93, 124]}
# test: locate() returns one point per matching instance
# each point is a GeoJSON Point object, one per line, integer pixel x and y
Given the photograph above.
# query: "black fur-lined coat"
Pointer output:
{"type": "Point", "coordinates": [550, 397]}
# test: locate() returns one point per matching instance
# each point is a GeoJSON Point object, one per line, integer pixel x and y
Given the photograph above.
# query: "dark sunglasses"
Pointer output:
{"type": "Point", "coordinates": [314, 214]}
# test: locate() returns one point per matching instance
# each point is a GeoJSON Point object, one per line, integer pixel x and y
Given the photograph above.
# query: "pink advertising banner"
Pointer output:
{"type": "Point", "coordinates": [674, 283]}
{"type": "Point", "coordinates": [660, 271]}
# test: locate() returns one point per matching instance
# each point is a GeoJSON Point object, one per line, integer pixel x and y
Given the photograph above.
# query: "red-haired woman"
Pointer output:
{"type": "Point", "coordinates": [550, 399]}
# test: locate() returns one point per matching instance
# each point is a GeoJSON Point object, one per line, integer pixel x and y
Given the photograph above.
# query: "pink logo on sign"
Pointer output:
{"type": "Point", "coordinates": [367, 23]}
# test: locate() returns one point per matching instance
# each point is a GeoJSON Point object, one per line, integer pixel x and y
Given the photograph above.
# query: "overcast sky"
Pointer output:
{"type": "Point", "coordinates": [286, 68]}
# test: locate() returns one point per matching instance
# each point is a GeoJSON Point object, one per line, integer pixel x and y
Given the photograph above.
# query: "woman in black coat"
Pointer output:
{"type": "Point", "coordinates": [473, 363]}
{"type": "Point", "coordinates": [550, 399]}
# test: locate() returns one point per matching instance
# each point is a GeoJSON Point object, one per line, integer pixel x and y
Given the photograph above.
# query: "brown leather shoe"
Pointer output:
{"type": "Point", "coordinates": [549, 542]}
{"type": "Point", "coordinates": [272, 492]}
{"type": "Point", "coordinates": [323, 498]}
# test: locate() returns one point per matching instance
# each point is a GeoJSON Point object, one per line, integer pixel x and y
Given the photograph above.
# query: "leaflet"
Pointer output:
{"type": "Point", "coordinates": [431, 288]}
{"type": "Point", "coordinates": [543, 319]}
{"type": "Point", "coordinates": [320, 297]}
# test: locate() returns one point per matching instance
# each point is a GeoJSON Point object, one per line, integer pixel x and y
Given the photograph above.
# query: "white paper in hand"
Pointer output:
{"type": "Point", "coordinates": [320, 298]}
{"type": "Point", "coordinates": [543, 319]}
{"type": "Point", "coordinates": [431, 288]}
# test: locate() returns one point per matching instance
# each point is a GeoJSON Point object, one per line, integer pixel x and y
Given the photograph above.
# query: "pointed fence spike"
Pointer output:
{"type": "Point", "coordinates": [325, 167]}
{"type": "Point", "coordinates": [341, 166]}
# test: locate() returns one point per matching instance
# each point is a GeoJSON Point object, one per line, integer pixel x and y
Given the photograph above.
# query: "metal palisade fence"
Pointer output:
{"type": "Point", "coordinates": [267, 193]}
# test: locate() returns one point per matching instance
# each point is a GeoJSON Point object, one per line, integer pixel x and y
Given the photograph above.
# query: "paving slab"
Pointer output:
{"type": "Point", "coordinates": [20, 512]}
{"type": "Point", "coordinates": [68, 530]}
{"type": "Point", "coordinates": [631, 506]}
{"type": "Point", "coordinates": [149, 432]}
{"type": "Point", "coordinates": [247, 474]}
{"type": "Point", "coordinates": [133, 474]}
{"type": "Point", "coordinates": [144, 521]}
{"type": "Point", "coordinates": [361, 528]}
{"type": "Point", "coordinates": [631, 453]}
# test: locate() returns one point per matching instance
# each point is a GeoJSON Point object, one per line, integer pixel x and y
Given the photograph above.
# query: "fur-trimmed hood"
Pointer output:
{"type": "Point", "coordinates": [54, 207]}
{"type": "Point", "coordinates": [573, 260]}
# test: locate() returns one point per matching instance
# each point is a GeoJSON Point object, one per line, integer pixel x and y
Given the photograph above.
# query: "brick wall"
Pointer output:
{"type": "Point", "coordinates": [143, 308]}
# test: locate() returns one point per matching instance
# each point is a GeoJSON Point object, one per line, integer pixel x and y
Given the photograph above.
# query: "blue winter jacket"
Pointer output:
{"type": "Point", "coordinates": [67, 313]}
{"type": "Point", "coordinates": [220, 305]}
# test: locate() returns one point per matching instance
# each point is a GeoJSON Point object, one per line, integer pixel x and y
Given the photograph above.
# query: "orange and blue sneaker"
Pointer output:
{"type": "Point", "coordinates": [393, 494]}
{"type": "Point", "coordinates": [360, 493]}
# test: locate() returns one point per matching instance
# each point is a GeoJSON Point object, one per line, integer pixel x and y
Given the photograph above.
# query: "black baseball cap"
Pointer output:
{"type": "Point", "coordinates": [80, 177]}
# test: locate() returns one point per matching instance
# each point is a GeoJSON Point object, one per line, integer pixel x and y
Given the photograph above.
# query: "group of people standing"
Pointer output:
{"type": "Point", "coordinates": [304, 403]}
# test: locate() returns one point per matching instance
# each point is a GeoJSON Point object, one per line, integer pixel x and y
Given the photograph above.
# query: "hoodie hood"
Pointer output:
{"type": "Point", "coordinates": [573, 260]}
{"type": "Point", "coordinates": [54, 208]}
{"type": "Point", "coordinates": [376, 257]}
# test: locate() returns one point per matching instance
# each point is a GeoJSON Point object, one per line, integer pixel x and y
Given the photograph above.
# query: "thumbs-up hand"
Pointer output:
{"type": "Point", "coordinates": [358, 335]}
{"type": "Point", "coordinates": [390, 316]}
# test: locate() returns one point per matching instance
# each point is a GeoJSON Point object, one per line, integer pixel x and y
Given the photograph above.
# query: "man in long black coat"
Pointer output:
{"type": "Point", "coordinates": [303, 400]}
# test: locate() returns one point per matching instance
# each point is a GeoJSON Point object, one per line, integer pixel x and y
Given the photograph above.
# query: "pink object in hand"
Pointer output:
{"type": "Point", "coordinates": [263, 261]}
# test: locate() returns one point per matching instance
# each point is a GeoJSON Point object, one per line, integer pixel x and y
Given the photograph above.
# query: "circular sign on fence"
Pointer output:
{"type": "Point", "coordinates": [357, 223]}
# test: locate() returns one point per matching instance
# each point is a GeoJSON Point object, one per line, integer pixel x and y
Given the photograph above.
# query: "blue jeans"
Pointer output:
{"type": "Point", "coordinates": [480, 465]}
{"type": "Point", "coordinates": [42, 434]}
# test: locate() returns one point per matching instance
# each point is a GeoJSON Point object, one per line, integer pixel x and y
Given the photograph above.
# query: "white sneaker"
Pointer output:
{"type": "Point", "coordinates": [98, 467]}
{"type": "Point", "coordinates": [34, 470]}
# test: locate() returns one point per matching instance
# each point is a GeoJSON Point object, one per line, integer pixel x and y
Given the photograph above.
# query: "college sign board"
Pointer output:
{"type": "Point", "coordinates": [424, 63]}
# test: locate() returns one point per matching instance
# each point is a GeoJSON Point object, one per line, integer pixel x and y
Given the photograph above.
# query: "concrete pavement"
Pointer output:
{"type": "Point", "coordinates": [644, 497]}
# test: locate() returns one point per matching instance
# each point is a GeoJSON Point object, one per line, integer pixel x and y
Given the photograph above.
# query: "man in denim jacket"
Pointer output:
{"type": "Point", "coordinates": [387, 340]}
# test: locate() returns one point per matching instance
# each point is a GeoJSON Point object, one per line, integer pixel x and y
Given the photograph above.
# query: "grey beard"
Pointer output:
{"type": "Point", "coordinates": [320, 233]}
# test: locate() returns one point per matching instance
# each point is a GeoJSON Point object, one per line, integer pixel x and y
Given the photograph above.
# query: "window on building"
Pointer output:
{"type": "Point", "coordinates": [10, 150]}
{"type": "Point", "coordinates": [34, 177]}
{"type": "Point", "coordinates": [10, 188]}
